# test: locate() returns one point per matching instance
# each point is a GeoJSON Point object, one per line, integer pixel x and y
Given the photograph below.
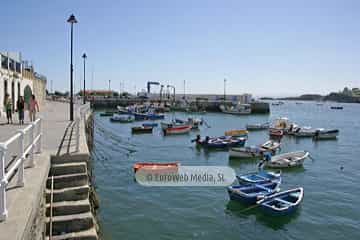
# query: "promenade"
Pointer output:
{"type": "Point", "coordinates": [23, 202]}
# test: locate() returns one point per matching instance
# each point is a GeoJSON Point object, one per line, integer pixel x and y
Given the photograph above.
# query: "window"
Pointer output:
{"type": "Point", "coordinates": [4, 62]}
{"type": "Point", "coordinates": [11, 64]}
{"type": "Point", "coordinates": [18, 67]}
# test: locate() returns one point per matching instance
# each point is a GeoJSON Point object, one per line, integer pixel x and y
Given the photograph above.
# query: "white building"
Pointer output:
{"type": "Point", "coordinates": [18, 78]}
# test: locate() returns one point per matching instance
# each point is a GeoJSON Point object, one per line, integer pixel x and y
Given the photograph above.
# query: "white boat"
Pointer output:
{"type": "Point", "coordinates": [287, 160]}
{"type": "Point", "coordinates": [306, 132]}
{"type": "Point", "coordinates": [245, 152]}
{"type": "Point", "coordinates": [240, 109]}
{"type": "Point", "coordinates": [258, 126]}
{"type": "Point", "coordinates": [270, 145]}
{"type": "Point", "coordinates": [326, 134]}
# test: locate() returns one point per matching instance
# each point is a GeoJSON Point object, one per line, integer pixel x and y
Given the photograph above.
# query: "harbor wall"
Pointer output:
{"type": "Point", "coordinates": [209, 106]}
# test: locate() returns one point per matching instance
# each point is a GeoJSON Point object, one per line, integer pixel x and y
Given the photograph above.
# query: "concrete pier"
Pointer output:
{"type": "Point", "coordinates": [27, 206]}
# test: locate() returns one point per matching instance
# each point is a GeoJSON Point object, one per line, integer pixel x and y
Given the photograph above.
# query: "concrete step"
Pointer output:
{"type": "Point", "coordinates": [82, 235]}
{"type": "Point", "coordinates": [70, 158]}
{"type": "Point", "coordinates": [70, 223]}
{"type": "Point", "coordinates": [69, 194]}
{"type": "Point", "coordinates": [69, 180]}
{"type": "Point", "coordinates": [68, 207]}
{"type": "Point", "coordinates": [68, 168]}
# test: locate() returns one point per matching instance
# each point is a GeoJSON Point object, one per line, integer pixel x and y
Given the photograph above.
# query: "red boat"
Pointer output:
{"type": "Point", "coordinates": [155, 166]}
{"type": "Point", "coordinates": [177, 129]}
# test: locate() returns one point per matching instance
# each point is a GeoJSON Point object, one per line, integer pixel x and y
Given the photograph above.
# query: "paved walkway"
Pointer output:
{"type": "Point", "coordinates": [22, 203]}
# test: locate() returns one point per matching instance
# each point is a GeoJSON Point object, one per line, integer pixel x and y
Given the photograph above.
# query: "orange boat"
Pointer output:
{"type": "Point", "coordinates": [155, 166]}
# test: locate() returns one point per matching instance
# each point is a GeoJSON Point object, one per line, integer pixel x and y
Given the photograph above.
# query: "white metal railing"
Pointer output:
{"type": "Point", "coordinates": [81, 112]}
{"type": "Point", "coordinates": [21, 151]}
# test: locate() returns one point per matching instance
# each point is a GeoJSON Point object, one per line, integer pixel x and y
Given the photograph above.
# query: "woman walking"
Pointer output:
{"type": "Point", "coordinates": [8, 108]}
{"type": "Point", "coordinates": [20, 108]}
{"type": "Point", "coordinates": [33, 106]}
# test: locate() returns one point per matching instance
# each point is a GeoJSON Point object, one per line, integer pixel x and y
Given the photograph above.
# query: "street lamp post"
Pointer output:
{"type": "Point", "coordinates": [71, 20]}
{"type": "Point", "coordinates": [224, 89]}
{"type": "Point", "coordinates": [109, 88]}
{"type": "Point", "coordinates": [84, 93]}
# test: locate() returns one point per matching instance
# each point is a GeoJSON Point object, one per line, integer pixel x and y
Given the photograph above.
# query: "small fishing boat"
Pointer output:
{"type": "Point", "coordinates": [141, 129]}
{"type": "Point", "coordinates": [223, 142]}
{"type": "Point", "coordinates": [274, 132]}
{"type": "Point", "coordinates": [154, 166]}
{"type": "Point", "coordinates": [337, 107]}
{"type": "Point", "coordinates": [240, 109]}
{"type": "Point", "coordinates": [326, 134]}
{"type": "Point", "coordinates": [245, 152]}
{"type": "Point", "coordinates": [122, 118]}
{"type": "Point", "coordinates": [282, 203]}
{"type": "Point", "coordinates": [260, 177]}
{"type": "Point", "coordinates": [287, 160]}
{"type": "Point", "coordinates": [250, 193]}
{"type": "Point", "coordinates": [148, 116]}
{"type": "Point", "coordinates": [306, 132]}
{"type": "Point", "coordinates": [150, 124]}
{"type": "Point", "coordinates": [237, 133]}
{"type": "Point", "coordinates": [106, 114]}
{"type": "Point", "coordinates": [177, 129]}
{"type": "Point", "coordinates": [270, 146]}
{"type": "Point", "coordinates": [123, 110]}
{"type": "Point", "coordinates": [258, 126]}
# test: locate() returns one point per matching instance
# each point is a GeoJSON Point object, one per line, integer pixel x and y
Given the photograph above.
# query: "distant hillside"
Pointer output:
{"type": "Point", "coordinates": [305, 97]}
{"type": "Point", "coordinates": [340, 97]}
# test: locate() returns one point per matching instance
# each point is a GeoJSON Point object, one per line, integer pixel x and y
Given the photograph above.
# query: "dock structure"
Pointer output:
{"type": "Point", "coordinates": [208, 103]}
{"type": "Point", "coordinates": [48, 195]}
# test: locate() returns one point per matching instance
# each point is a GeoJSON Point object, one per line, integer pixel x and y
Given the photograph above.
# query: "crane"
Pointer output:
{"type": "Point", "coordinates": [170, 86]}
{"type": "Point", "coordinates": [161, 90]}
{"type": "Point", "coordinates": [149, 85]}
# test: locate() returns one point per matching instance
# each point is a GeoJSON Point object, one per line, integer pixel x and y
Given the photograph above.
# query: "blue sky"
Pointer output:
{"type": "Point", "coordinates": [268, 48]}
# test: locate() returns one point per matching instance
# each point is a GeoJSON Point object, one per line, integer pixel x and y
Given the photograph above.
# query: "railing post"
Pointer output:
{"type": "Point", "coordinates": [20, 180]}
{"type": "Point", "coordinates": [31, 157]}
{"type": "Point", "coordinates": [39, 144]}
{"type": "Point", "coordinates": [3, 183]}
{"type": "Point", "coordinates": [77, 133]}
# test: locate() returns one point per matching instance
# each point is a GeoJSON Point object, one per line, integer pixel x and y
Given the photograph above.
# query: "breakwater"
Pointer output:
{"type": "Point", "coordinates": [209, 106]}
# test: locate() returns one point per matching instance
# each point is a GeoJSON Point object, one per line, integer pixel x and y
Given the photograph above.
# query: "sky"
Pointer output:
{"type": "Point", "coordinates": [267, 48]}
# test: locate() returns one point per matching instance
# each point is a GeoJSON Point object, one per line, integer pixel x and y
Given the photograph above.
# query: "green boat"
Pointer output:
{"type": "Point", "coordinates": [106, 114]}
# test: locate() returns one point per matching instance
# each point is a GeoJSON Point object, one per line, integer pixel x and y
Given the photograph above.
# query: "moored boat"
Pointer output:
{"type": "Point", "coordinates": [337, 107]}
{"type": "Point", "coordinates": [150, 124]}
{"type": "Point", "coordinates": [260, 177]}
{"type": "Point", "coordinates": [240, 109]}
{"type": "Point", "coordinates": [122, 118]}
{"type": "Point", "coordinates": [148, 116]}
{"type": "Point", "coordinates": [237, 133]}
{"type": "Point", "coordinates": [106, 114]}
{"type": "Point", "coordinates": [270, 146]}
{"type": "Point", "coordinates": [177, 129]}
{"type": "Point", "coordinates": [141, 129]}
{"type": "Point", "coordinates": [287, 160]}
{"type": "Point", "coordinates": [257, 126]}
{"type": "Point", "coordinates": [274, 132]}
{"type": "Point", "coordinates": [282, 203]}
{"type": "Point", "coordinates": [223, 142]}
{"type": "Point", "coordinates": [155, 165]}
{"type": "Point", "coordinates": [306, 132]}
{"type": "Point", "coordinates": [245, 152]}
{"type": "Point", "coordinates": [326, 134]}
{"type": "Point", "coordinates": [250, 193]}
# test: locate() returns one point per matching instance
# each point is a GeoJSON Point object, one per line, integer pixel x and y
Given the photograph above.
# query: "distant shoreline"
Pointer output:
{"type": "Point", "coordinates": [333, 97]}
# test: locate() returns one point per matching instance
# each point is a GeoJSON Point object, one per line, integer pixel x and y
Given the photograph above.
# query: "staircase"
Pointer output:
{"type": "Point", "coordinates": [68, 209]}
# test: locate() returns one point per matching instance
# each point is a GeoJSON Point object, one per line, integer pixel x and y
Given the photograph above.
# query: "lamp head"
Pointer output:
{"type": "Point", "coordinates": [72, 19]}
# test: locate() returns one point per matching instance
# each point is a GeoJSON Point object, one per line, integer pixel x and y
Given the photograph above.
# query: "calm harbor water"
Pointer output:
{"type": "Point", "coordinates": [330, 209]}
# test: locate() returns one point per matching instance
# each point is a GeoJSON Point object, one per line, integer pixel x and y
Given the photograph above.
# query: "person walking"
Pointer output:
{"type": "Point", "coordinates": [8, 108]}
{"type": "Point", "coordinates": [33, 106]}
{"type": "Point", "coordinates": [20, 105]}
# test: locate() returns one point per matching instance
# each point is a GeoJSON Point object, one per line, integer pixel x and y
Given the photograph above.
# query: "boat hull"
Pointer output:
{"type": "Point", "coordinates": [177, 130]}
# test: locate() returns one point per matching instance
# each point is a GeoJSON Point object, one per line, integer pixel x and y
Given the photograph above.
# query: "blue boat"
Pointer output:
{"type": "Point", "coordinates": [250, 193]}
{"type": "Point", "coordinates": [148, 116]}
{"type": "Point", "coordinates": [150, 124]}
{"type": "Point", "coordinates": [260, 177]}
{"type": "Point", "coordinates": [223, 142]}
{"type": "Point", "coordinates": [282, 203]}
